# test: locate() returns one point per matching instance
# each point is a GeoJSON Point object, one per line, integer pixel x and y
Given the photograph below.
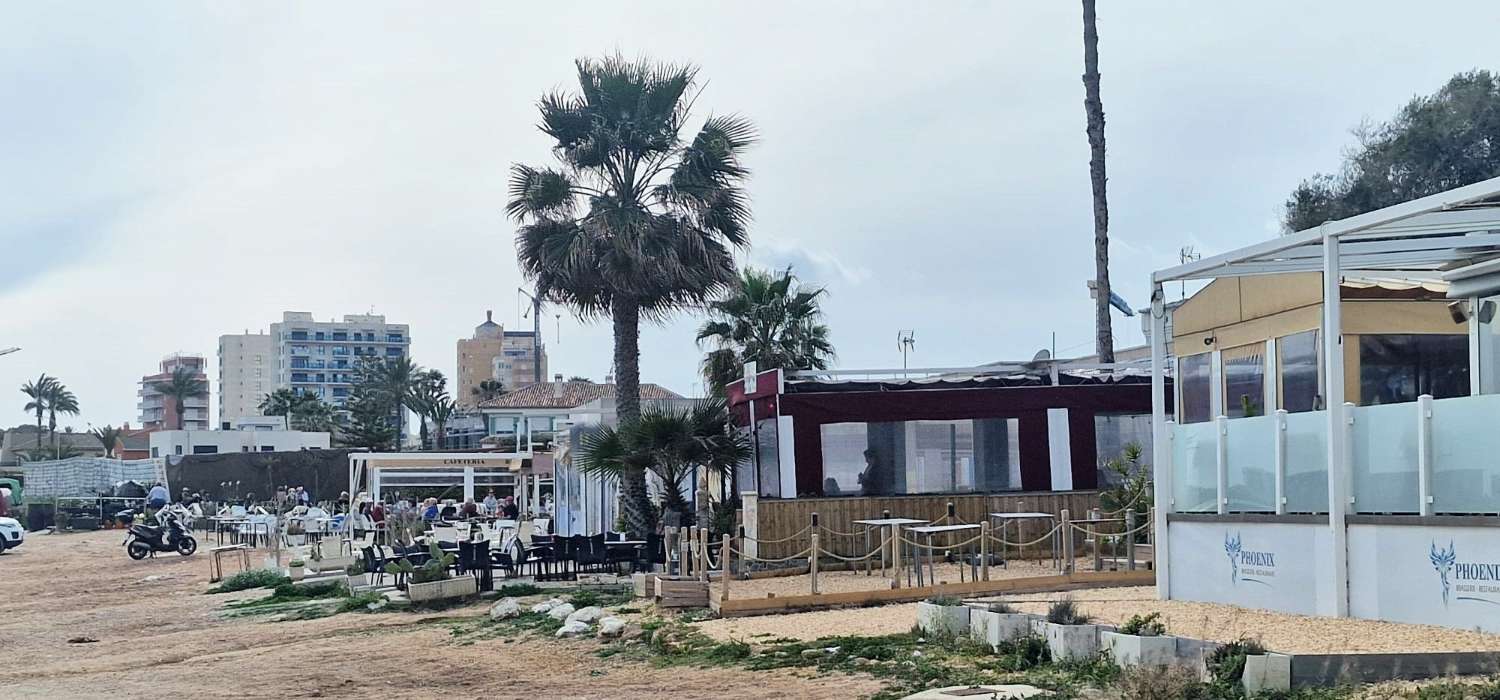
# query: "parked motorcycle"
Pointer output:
{"type": "Point", "coordinates": [143, 540]}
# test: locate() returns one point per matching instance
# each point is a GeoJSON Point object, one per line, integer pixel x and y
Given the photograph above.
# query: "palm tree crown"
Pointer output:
{"type": "Point", "coordinates": [637, 219]}
{"type": "Point", "coordinates": [767, 318]}
{"type": "Point", "coordinates": [181, 386]}
{"type": "Point", "coordinates": [110, 436]}
{"type": "Point", "coordinates": [40, 393]}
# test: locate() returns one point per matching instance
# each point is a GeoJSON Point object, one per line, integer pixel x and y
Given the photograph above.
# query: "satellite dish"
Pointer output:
{"type": "Point", "coordinates": [1041, 355]}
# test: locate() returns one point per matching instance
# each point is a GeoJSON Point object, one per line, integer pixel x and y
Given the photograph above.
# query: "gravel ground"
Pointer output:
{"type": "Point", "coordinates": [844, 581]}
{"type": "Point", "coordinates": [1278, 631]}
{"type": "Point", "coordinates": [159, 636]}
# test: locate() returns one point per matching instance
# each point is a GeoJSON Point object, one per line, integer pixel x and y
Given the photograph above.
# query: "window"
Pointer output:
{"type": "Point", "coordinates": [340, 335]}
{"type": "Point", "coordinates": [393, 352]}
{"type": "Point", "coordinates": [1112, 432]}
{"type": "Point", "coordinates": [177, 449]}
{"type": "Point", "coordinates": [1399, 368]}
{"type": "Point", "coordinates": [299, 335]}
{"type": "Point", "coordinates": [1245, 381]}
{"type": "Point", "coordinates": [1194, 388]}
{"type": "Point", "coordinates": [246, 448]}
{"type": "Point", "coordinates": [1489, 347]}
{"type": "Point", "coordinates": [267, 448]}
{"type": "Point", "coordinates": [914, 457]}
{"type": "Point", "coordinates": [768, 458]}
{"type": "Point", "coordinates": [318, 335]}
{"type": "Point", "coordinates": [205, 449]}
{"type": "Point", "coordinates": [1301, 385]}
{"type": "Point", "coordinates": [155, 452]}
{"type": "Point", "coordinates": [392, 337]}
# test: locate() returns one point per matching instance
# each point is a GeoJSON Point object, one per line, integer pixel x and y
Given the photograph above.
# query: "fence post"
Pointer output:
{"type": "Point", "coordinates": [1221, 433]}
{"type": "Point", "coordinates": [1067, 542]}
{"type": "Point", "coordinates": [895, 545]}
{"type": "Point", "coordinates": [1278, 459]}
{"type": "Point", "coordinates": [1130, 540]}
{"type": "Point", "coordinates": [682, 551]}
{"type": "Point", "coordinates": [703, 538]}
{"type": "Point", "coordinates": [669, 543]}
{"type": "Point", "coordinates": [724, 550]}
{"type": "Point", "coordinates": [984, 550]}
{"type": "Point", "coordinates": [812, 562]}
{"type": "Point", "coordinates": [1424, 454]}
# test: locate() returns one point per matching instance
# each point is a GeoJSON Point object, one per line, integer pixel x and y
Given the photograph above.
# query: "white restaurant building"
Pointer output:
{"type": "Point", "coordinates": [1362, 482]}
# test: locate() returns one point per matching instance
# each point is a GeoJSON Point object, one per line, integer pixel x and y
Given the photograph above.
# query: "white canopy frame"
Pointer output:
{"type": "Point", "coordinates": [368, 465]}
{"type": "Point", "coordinates": [1452, 235]}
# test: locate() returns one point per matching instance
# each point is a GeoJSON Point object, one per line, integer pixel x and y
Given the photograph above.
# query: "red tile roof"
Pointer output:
{"type": "Point", "coordinates": [568, 395]}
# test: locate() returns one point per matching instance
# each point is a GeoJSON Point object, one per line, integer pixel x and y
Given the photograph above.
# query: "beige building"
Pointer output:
{"type": "Point", "coordinates": [495, 353]}
{"type": "Point", "coordinates": [159, 412]}
{"type": "Point", "coordinates": [246, 374]}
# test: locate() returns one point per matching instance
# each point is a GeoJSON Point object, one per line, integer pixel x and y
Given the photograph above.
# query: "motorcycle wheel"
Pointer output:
{"type": "Point", "coordinates": [186, 546]}
{"type": "Point", "coordinates": [138, 550]}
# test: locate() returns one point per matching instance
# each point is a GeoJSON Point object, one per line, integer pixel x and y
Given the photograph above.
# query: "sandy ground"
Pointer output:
{"type": "Point", "coordinates": [844, 581]}
{"type": "Point", "coordinates": [159, 636]}
{"type": "Point", "coordinates": [1278, 631]}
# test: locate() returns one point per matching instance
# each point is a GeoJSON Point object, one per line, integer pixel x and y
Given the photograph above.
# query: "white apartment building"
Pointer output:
{"type": "Point", "coordinates": [160, 412]}
{"type": "Point", "coordinates": [247, 372]}
{"type": "Point", "coordinates": [319, 357]}
{"type": "Point", "coordinates": [171, 443]}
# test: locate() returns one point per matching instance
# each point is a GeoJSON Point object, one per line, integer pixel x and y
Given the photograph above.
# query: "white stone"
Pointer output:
{"type": "Point", "coordinates": [546, 605]}
{"type": "Point", "coordinates": [561, 612]}
{"type": "Point", "coordinates": [505, 609]}
{"type": "Point", "coordinates": [1267, 672]}
{"type": "Point", "coordinates": [950, 620]}
{"type": "Point", "coordinates": [1071, 642]}
{"type": "Point", "coordinates": [611, 627]}
{"type": "Point", "coordinates": [573, 629]}
{"type": "Point", "coordinates": [589, 614]}
{"type": "Point", "coordinates": [1131, 650]}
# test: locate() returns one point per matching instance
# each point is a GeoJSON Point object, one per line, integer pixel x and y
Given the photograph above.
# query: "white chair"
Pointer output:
{"type": "Point", "coordinates": [237, 511]}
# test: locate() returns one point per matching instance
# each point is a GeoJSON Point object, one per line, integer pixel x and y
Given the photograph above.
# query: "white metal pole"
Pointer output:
{"type": "Point", "coordinates": [1279, 459]}
{"type": "Point", "coordinates": [1221, 442]}
{"type": "Point", "coordinates": [1333, 360]}
{"type": "Point", "coordinates": [1424, 454]}
{"type": "Point", "coordinates": [1161, 449]}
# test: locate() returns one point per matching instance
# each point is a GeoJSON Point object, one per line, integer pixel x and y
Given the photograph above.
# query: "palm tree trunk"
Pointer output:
{"type": "Point", "coordinates": [1093, 107]}
{"type": "Point", "coordinates": [39, 428]}
{"type": "Point", "coordinates": [635, 501]}
{"type": "Point", "coordinates": [438, 438]}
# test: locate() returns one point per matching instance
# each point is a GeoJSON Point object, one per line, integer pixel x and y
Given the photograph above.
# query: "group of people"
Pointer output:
{"type": "Point", "coordinates": [433, 509]}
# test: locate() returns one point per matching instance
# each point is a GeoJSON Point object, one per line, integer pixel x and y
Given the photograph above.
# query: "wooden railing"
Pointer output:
{"type": "Point", "coordinates": [781, 519]}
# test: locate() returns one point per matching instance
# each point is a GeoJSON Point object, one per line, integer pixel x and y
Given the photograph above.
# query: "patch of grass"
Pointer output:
{"type": "Point", "coordinates": [291, 593]}
{"type": "Point", "coordinates": [360, 602]}
{"type": "Point", "coordinates": [518, 590]}
{"type": "Point", "coordinates": [245, 580]}
{"type": "Point", "coordinates": [602, 597]}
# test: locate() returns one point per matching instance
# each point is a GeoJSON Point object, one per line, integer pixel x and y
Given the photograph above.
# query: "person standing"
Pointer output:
{"type": "Point", "coordinates": [158, 496]}
{"type": "Point", "coordinates": [490, 503]}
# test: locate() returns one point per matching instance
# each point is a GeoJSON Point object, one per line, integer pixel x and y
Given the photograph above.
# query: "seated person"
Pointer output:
{"type": "Point", "coordinates": [470, 509]}
{"type": "Point", "coordinates": [430, 510]}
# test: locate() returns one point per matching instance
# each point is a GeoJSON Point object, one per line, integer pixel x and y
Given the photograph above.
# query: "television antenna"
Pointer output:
{"type": "Point", "coordinates": [906, 341]}
{"type": "Point", "coordinates": [1185, 255]}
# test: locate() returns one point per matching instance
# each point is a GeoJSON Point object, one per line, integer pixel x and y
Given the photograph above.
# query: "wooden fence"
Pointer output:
{"type": "Point", "coordinates": [781, 519]}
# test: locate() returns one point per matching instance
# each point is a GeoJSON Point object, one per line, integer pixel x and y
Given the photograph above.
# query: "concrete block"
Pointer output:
{"type": "Point", "coordinates": [1267, 672]}
{"type": "Point", "coordinates": [1071, 642]}
{"type": "Point", "coordinates": [950, 620]}
{"type": "Point", "coordinates": [1130, 650]}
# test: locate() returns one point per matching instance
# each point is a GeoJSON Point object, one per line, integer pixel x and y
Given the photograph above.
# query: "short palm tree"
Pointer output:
{"type": "Point", "coordinates": [441, 410]}
{"type": "Point", "coordinates": [181, 386]}
{"type": "Point", "coordinates": [766, 318]}
{"type": "Point", "coordinates": [313, 414]}
{"type": "Point", "coordinates": [110, 437]}
{"type": "Point", "coordinates": [59, 400]}
{"type": "Point", "coordinates": [39, 392]}
{"type": "Point", "coordinates": [638, 219]}
{"type": "Point", "coordinates": [281, 402]}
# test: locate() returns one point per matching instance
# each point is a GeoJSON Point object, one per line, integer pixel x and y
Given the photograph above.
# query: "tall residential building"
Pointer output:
{"type": "Point", "coordinates": [247, 372]}
{"type": "Point", "coordinates": [495, 353]}
{"type": "Point", "coordinates": [319, 357]}
{"type": "Point", "coordinates": [159, 412]}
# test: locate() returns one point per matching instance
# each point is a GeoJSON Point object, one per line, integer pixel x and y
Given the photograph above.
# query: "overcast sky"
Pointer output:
{"type": "Point", "coordinates": [170, 172]}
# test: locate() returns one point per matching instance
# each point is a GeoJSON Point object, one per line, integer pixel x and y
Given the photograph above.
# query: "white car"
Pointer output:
{"type": "Point", "coordinates": [11, 533]}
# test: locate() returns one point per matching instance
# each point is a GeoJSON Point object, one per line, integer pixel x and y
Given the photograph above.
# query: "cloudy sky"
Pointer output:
{"type": "Point", "coordinates": [173, 171]}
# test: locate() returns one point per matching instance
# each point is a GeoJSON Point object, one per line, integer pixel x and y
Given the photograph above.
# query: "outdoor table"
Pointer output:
{"type": "Point", "coordinates": [229, 522]}
{"type": "Point", "coordinates": [929, 531]}
{"type": "Point", "coordinates": [891, 525]}
{"type": "Point", "coordinates": [1005, 520]}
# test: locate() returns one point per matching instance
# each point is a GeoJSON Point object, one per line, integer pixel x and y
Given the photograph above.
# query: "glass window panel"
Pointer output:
{"type": "Point", "coordinates": [1250, 450]}
{"type": "Point", "coordinates": [1489, 346]}
{"type": "Point", "coordinates": [1195, 384]}
{"type": "Point", "coordinates": [1112, 432]}
{"type": "Point", "coordinates": [847, 460]}
{"type": "Point", "coordinates": [1195, 468]}
{"type": "Point", "coordinates": [1245, 381]}
{"type": "Point", "coordinates": [768, 456]}
{"type": "Point", "coordinates": [1307, 462]}
{"type": "Point", "coordinates": [997, 451]}
{"type": "Point", "coordinates": [1301, 387]}
{"type": "Point", "coordinates": [1465, 455]}
{"type": "Point", "coordinates": [1399, 368]}
{"type": "Point", "coordinates": [1384, 453]}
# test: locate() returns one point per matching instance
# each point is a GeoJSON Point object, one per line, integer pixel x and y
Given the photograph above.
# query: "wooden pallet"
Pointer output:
{"type": "Point", "coordinates": [674, 592]}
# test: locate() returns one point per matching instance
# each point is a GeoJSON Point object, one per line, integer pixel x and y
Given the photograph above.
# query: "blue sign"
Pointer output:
{"type": "Point", "coordinates": [1248, 565]}
{"type": "Point", "coordinates": [1481, 580]}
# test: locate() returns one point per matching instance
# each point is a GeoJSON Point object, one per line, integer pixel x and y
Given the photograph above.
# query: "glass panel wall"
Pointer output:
{"type": "Point", "coordinates": [1489, 346]}
{"type": "Point", "coordinates": [1399, 368]}
{"type": "Point", "coordinates": [1195, 468]}
{"type": "Point", "coordinates": [1194, 386]}
{"type": "Point", "coordinates": [1300, 385]}
{"type": "Point", "coordinates": [913, 457]}
{"type": "Point", "coordinates": [1465, 455]}
{"type": "Point", "coordinates": [1112, 432]}
{"type": "Point", "coordinates": [1307, 462]}
{"type": "Point", "coordinates": [1250, 448]}
{"type": "Point", "coordinates": [1384, 452]}
{"type": "Point", "coordinates": [768, 457]}
{"type": "Point", "coordinates": [1245, 381]}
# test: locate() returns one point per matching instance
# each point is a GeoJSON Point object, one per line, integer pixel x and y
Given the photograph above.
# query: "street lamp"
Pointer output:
{"type": "Point", "coordinates": [8, 351]}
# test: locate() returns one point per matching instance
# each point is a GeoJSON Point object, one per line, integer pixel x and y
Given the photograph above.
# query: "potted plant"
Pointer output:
{"type": "Point", "coordinates": [997, 623]}
{"type": "Point", "coordinates": [294, 569]}
{"type": "Point", "coordinates": [1141, 641]}
{"type": "Point", "coordinates": [357, 576]}
{"type": "Point", "coordinates": [1246, 663]}
{"type": "Point", "coordinates": [943, 616]}
{"type": "Point", "coordinates": [431, 581]}
{"type": "Point", "coordinates": [1070, 634]}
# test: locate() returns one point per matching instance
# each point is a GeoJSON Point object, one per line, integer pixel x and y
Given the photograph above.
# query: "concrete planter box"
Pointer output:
{"type": "Point", "coordinates": [439, 590]}
{"type": "Point", "coordinates": [1267, 672]}
{"type": "Point", "coordinates": [1130, 650]}
{"type": "Point", "coordinates": [994, 628]}
{"type": "Point", "coordinates": [943, 619]}
{"type": "Point", "coordinates": [1071, 642]}
{"type": "Point", "coordinates": [294, 572]}
{"type": "Point", "coordinates": [329, 563]}
{"type": "Point", "coordinates": [358, 582]}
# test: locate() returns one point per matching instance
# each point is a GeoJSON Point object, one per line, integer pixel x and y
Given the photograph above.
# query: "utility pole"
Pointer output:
{"type": "Point", "coordinates": [536, 334]}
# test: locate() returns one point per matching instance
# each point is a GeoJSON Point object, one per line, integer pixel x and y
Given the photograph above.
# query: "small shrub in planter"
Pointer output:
{"type": "Point", "coordinates": [997, 623]}
{"type": "Point", "coordinates": [1069, 633]}
{"type": "Point", "coordinates": [357, 576]}
{"type": "Point", "coordinates": [1141, 641]}
{"type": "Point", "coordinates": [294, 569]}
{"type": "Point", "coordinates": [943, 616]}
{"type": "Point", "coordinates": [1247, 664]}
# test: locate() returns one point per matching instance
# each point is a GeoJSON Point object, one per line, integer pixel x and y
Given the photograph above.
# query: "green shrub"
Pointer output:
{"type": "Point", "coordinates": [1227, 663]}
{"type": "Point", "coordinates": [245, 580]}
{"type": "Point", "coordinates": [1065, 612]}
{"type": "Point", "coordinates": [1003, 608]}
{"type": "Point", "coordinates": [518, 590]}
{"type": "Point", "coordinates": [945, 600]}
{"type": "Point", "coordinates": [361, 602]}
{"type": "Point", "coordinates": [1023, 653]}
{"type": "Point", "coordinates": [1148, 626]}
{"type": "Point", "coordinates": [585, 598]}
{"type": "Point", "coordinates": [1158, 683]}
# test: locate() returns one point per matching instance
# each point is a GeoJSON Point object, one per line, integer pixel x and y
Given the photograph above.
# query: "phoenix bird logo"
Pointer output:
{"type": "Point", "coordinates": [1442, 561]}
{"type": "Point", "coordinates": [1232, 550]}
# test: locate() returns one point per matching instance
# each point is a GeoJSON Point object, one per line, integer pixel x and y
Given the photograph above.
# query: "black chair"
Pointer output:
{"type": "Point", "coordinates": [589, 553]}
{"type": "Point", "coordinates": [474, 558]}
{"type": "Point", "coordinates": [560, 560]}
{"type": "Point", "coordinates": [652, 553]}
{"type": "Point", "coordinates": [374, 562]}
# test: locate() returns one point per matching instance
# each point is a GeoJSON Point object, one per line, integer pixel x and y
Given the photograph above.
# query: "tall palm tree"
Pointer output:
{"type": "Point", "coordinates": [487, 390]}
{"type": "Point", "coordinates": [1093, 107]}
{"type": "Point", "coordinates": [39, 392]}
{"type": "Point", "coordinates": [766, 318]}
{"type": "Point", "coordinates": [441, 410]}
{"type": "Point", "coordinates": [281, 402]}
{"type": "Point", "coordinates": [110, 436]}
{"type": "Point", "coordinates": [639, 219]}
{"type": "Point", "coordinates": [59, 400]}
{"type": "Point", "coordinates": [429, 386]}
{"type": "Point", "coordinates": [181, 386]}
{"type": "Point", "coordinates": [393, 381]}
